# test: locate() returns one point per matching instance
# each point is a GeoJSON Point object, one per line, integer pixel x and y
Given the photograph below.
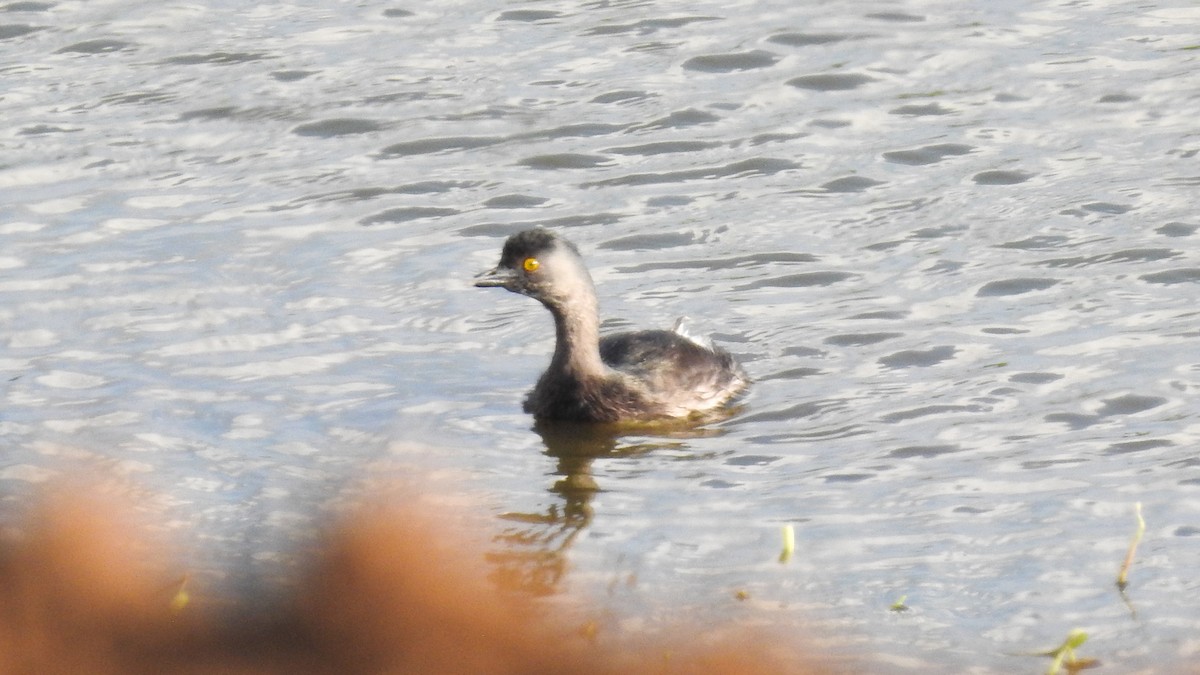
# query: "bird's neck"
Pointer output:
{"type": "Point", "coordinates": [577, 339]}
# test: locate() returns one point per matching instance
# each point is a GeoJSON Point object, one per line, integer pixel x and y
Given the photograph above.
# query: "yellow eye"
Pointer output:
{"type": "Point", "coordinates": [531, 264]}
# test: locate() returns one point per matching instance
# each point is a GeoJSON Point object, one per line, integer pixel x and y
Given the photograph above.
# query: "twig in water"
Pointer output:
{"type": "Point", "coordinates": [789, 543]}
{"type": "Point", "coordinates": [1123, 576]}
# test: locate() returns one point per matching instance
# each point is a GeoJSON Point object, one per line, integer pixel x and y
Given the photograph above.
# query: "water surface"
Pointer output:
{"type": "Point", "coordinates": [955, 245]}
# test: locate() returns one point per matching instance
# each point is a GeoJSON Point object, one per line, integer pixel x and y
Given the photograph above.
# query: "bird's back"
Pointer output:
{"type": "Point", "coordinates": [679, 374]}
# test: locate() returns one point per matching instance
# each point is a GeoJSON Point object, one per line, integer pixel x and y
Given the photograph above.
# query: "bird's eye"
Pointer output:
{"type": "Point", "coordinates": [531, 264]}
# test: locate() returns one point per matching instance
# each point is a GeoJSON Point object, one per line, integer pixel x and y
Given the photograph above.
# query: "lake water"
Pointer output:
{"type": "Point", "coordinates": [955, 244]}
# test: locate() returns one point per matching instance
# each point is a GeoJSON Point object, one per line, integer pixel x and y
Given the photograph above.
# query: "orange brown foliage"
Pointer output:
{"type": "Point", "coordinates": [82, 592]}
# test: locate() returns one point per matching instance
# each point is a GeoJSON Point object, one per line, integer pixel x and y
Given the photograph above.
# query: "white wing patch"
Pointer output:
{"type": "Point", "coordinates": [681, 329]}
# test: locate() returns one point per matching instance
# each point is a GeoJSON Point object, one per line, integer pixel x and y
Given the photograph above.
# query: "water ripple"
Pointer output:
{"type": "Point", "coordinates": [764, 166]}
{"type": "Point", "coordinates": [1176, 276]}
{"type": "Point", "coordinates": [432, 145]}
{"type": "Point", "coordinates": [728, 63]}
{"type": "Point", "coordinates": [831, 81]}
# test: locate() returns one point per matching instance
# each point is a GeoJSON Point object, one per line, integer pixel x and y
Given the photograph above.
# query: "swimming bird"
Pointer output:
{"type": "Point", "coordinates": [626, 377]}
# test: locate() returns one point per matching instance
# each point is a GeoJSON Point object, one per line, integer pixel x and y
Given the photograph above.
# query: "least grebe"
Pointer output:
{"type": "Point", "coordinates": [639, 376]}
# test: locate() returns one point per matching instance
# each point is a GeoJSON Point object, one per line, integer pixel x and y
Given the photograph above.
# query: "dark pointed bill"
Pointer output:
{"type": "Point", "coordinates": [499, 276]}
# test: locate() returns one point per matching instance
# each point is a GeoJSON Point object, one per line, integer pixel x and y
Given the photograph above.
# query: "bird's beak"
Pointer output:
{"type": "Point", "coordinates": [498, 276]}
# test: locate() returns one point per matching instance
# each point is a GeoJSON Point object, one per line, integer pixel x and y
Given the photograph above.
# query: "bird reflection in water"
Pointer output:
{"type": "Point", "coordinates": [535, 545]}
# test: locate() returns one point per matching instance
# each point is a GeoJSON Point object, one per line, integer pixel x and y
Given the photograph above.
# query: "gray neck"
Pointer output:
{"type": "Point", "coordinates": [577, 343]}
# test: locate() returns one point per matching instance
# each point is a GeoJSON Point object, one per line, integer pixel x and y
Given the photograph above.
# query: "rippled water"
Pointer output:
{"type": "Point", "coordinates": [954, 243]}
